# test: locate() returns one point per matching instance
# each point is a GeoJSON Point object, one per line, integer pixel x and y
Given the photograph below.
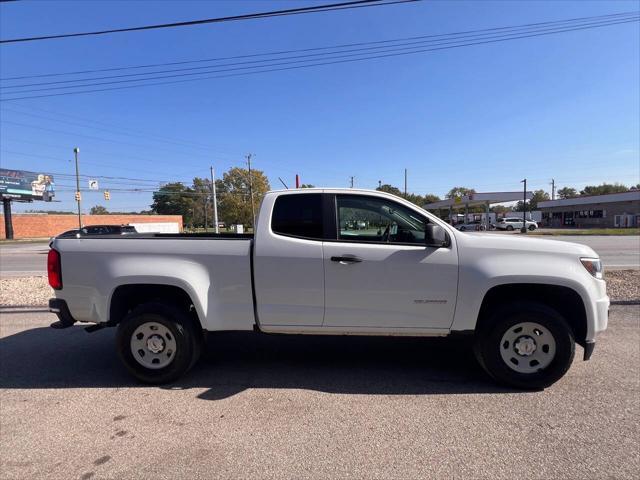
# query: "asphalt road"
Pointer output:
{"type": "Point", "coordinates": [311, 407]}
{"type": "Point", "coordinates": [615, 251]}
{"type": "Point", "coordinates": [24, 259]}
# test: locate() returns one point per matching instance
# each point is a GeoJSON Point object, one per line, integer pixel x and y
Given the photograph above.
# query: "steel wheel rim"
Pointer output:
{"type": "Point", "coordinates": [527, 347]}
{"type": "Point", "coordinates": [153, 345]}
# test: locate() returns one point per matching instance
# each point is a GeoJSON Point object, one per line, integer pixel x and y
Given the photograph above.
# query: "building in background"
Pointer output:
{"type": "Point", "coordinates": [614, 210]}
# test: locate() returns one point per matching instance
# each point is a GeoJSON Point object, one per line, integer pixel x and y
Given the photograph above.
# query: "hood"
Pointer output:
{"type": "Point", "coordinates": [523, 243]}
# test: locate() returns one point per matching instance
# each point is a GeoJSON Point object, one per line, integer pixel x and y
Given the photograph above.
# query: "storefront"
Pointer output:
{"type": "Point", "coordinates": [615, 210]}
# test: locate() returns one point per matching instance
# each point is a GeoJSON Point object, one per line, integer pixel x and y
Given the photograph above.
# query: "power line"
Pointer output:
{"type": "Point", "coordinates": [102, 139]}
{"type": "Point", "coordinates": [331, 55]}
{"type": "Point", "coordinates": [12, 152]}
{"type": "Point", "coordinates": [340, 46]}
{"type": "Point", "coordinates": [249, 16]}
{"type": "Point", "coordinates": [386, 55]}
{"type": "Point", "coordinates": [126, 132]}
{"type": "Point", "coordinates": [288, 168]}
{"type": "Point", "coordinates": [156, 137]}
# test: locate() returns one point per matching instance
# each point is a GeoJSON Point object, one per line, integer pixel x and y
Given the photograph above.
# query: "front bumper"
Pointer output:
{"type": "Point", "coordinates": [60, 308]}
{"type": "Point", "coordinates": [602, 314]}
{"type": "Point", "coordinates": [588, 350]}
{"type": "Point", "coordinates": [599, 324]}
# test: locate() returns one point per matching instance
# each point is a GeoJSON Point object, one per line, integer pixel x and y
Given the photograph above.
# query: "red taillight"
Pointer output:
{"type": "Point", "coordinates": [54, 269]}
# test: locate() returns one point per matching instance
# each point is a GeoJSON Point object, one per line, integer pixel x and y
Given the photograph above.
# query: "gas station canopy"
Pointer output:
{"type": "Point", "coordinates": [475, 200]}
{"type": "Point", "coordinates": [478, 199]}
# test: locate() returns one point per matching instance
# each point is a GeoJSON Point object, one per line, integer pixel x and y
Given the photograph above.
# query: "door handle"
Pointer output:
{"type": "Point", "coordinates": [346, 259]}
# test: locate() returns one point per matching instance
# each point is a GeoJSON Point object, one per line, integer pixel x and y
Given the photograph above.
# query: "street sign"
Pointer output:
{"type": "Point", "coordinates": [93, 185]}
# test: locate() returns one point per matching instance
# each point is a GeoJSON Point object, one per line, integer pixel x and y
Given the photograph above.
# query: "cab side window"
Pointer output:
{"type": "Point", "coordinates": [298, 215]}
{"type": "Point", "coordinates": [377, 220]}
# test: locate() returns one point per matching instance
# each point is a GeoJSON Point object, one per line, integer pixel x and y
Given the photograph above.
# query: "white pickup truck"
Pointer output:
{"type": "Point", "coordinates": [337, 262]}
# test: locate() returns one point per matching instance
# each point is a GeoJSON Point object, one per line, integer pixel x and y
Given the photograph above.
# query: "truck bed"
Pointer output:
{"type": "Point", "coordinates": [215, 271]}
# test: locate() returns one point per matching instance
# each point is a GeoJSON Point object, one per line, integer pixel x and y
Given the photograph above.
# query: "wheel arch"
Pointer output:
{"type": "Point", "coordinates": [565, 300]}
{"type": "Point", "coordinates": [126, 297]}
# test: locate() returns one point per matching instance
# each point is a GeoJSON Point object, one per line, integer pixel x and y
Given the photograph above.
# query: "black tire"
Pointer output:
{"type": "Point", "coordinates": [462, 229]}
{"type": "Point", "coordinates": [531, 228]}
{"type": "Point", "coordinates": [509, 227]}
{"type": "Point", "coordinates": [188, 341]}
{"type": "Point", "coordinates": [488, 345]}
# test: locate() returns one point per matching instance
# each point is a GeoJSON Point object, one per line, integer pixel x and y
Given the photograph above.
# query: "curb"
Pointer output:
{"type": "Point", "coordinates": [625, 302]}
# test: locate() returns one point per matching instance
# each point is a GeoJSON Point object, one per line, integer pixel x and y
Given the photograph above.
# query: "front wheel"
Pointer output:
{"type": "Point", "coordinates": [525, 345]}
{"type": "Point", "coordinates": [158, 342]}
{"type": "Point", "coordinates": [532, 228]}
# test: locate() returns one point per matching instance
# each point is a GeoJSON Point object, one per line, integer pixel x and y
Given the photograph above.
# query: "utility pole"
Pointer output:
{"type": "Point", "coordinates": [8, 223]}
{"type": "Point", "coordinates": [524, 207]}
{"type": "Point", "coordinates": [253, 208]}
{"type": "Point", "coordinates": [553, 189]}
{"type": "Point", "coordinates": [352, 177]}
{"type": "Point", "coordinates": [405, 183]}
{"type": "Point", "coordinates": [215, 200]}
{"type": "Point", "coordinates": [76, 151]}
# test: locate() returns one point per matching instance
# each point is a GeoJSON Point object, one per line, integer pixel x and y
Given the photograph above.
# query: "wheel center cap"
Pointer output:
{"type": "Point", "coordinates": [155, 344]}
{"type": "Point", "coordinates": [525, 346]}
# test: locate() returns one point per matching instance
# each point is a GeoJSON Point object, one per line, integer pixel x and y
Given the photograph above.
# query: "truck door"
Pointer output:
{"type": "Point", "coordinates": [288, 261]}
{"type": "Point", "coordinates": [379, 273]}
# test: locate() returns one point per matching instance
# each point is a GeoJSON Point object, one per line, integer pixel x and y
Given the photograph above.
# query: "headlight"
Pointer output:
{"type": "Point", "coordinates": [593, 266]}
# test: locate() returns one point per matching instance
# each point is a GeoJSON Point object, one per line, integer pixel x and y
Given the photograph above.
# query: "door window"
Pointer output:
{"type": "Point", "coordinates": [298, 216]}
{"type": "Point", "coordinates": [377, 220]}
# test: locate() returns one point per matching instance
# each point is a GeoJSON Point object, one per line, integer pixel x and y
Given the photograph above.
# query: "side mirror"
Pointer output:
{"type": "Point", "coordinates": [436, 236]}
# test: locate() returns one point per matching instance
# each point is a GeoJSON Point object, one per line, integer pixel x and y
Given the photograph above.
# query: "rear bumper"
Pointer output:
{"type": "Point", "coordinates": [60, 308]}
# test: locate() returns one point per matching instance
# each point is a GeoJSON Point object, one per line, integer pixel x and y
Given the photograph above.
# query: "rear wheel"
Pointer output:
{"type": "Point", "coordinates": [509, 227]}
{"type": "Point", "coordinates": [158, 342]}
{"type": "Point", "coordinates": [526, 345]}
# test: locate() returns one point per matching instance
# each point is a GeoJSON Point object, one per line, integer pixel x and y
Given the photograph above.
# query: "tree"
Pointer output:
{"type": "Point", "coordinates": [390, 189]}
{"type": "Point", "coordinates": [567, 192]}
{"type": "Point", "coordinates": [174, 199]}
{"type": "Point", "coordinates": [307, 185]}
{"type": "Point", "coordinates": [98, 210]}
{"type": "Point", "coordinates": [538, 196]}
{"type": "Point", "coordinates": [459, 192]}
{"type": "Point", "coordinates": [500, 209]}
{"type": "Point", "coordinates": [603, 189]}
{"type": "Point", "coordinates": [234, 204]}
{"type": "Point", "coordinates": [430, 198]}
{"type": "Point", "coordinates": [202, 203]}
{"type": "Point", "coordinates": [416, 199]}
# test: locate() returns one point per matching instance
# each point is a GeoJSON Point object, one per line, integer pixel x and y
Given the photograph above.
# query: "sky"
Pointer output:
{"type": "Point", "coordinates": [563, 106]}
